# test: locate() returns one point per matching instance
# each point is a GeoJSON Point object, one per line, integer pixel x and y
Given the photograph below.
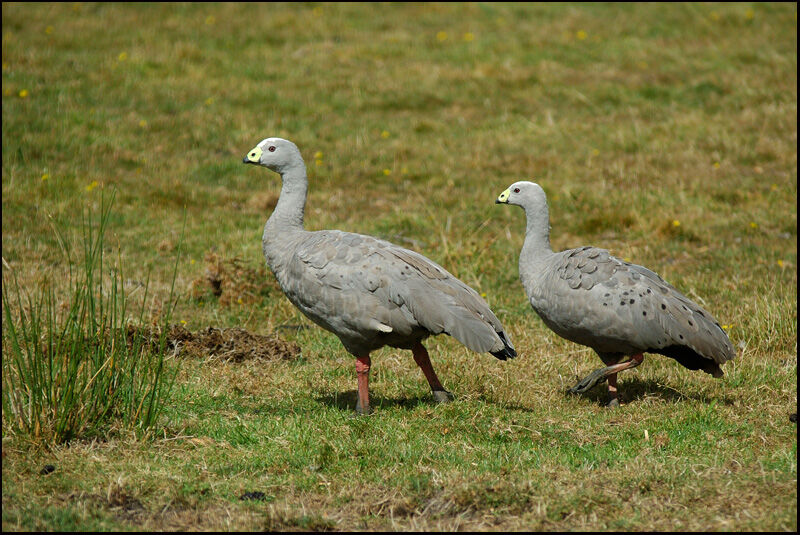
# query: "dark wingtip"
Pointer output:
{"type": "Point", "coordinates": [505, 353]}
{"type": "Point", "coordinates": [508, 352]}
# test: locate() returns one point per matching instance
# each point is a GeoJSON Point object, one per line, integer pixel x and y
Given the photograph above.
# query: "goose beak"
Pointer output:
{"type": "Point", "coordinates": [503, 198]}
{"type": "Point", "coordinates": [254, 156]}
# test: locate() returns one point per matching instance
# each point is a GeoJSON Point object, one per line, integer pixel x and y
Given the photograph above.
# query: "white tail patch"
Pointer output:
{"type": "Point", "coordinates": [382, 327]}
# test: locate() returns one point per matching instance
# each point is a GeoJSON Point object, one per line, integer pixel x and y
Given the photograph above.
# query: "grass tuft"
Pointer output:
{"type": "Point", "coordinates": [72, 368]}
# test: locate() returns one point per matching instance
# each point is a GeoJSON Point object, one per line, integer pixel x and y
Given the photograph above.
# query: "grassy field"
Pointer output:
{"type": "Point", "coordinates": [666, 133]}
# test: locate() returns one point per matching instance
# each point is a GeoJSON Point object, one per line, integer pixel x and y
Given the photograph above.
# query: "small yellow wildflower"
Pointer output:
{"type": "Point", "coordinates": [48, 30]}
{"type": "Point", "coordinates": [384, 134]}
{"type": "Point", "coordinates": [23, 93]}
{"type": "Point", "coordinates": [5, 66]}
{"type": "Point", "coordinates": [239, 301]}
{"type": "Point", "coordinates": [716, 165]}
{"type": "Point", "coordinates": [191, 261]}
{"type": "Point", "coordinates": [726, 327]}
{"type": "Point", "coordinates": [595, 152]}
{"type": "Point", "coordinates": [210, 20]}
{"type": "Point", "coordinates": [92, 185]}
{"type": "Point", "coordinates": [753, 224]}
{"type": "Point", "coordinates": [581, 35]}
{"type": "Point", "coordinates": [469, 37]}
{"type": "Point", "coordinates": [627, 259]}
{"type": "Point", "coordinates": [318, 155]}
{"type": "Point", "coordinates": [387, 172]}
{"type": "Point", "coordinates": [45, 176]}
{"type": "Point", "coordinates": [183, 322]}
{"type": "Point", "coordinates": [142, 123]}
{"type": "Point", "coordinates": [317, 11]}
{"type": "Point", "coordinates": [122, 56]}
{"type": "Point", "coordinates": [749, 14]}
{"type": "Point", "coordinates": [483, 294]}
{"type": "Point", "coordinates": [780, 263]}
{"type": "Point", "coordinates": [209, 101]}
{"type": "Point", "coordinates": [441, 36]}
{"type": "Point", "coordinates": [676, 223]}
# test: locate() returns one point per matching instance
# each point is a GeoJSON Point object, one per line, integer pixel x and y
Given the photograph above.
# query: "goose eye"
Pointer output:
{"type": "Point", "coordinates": [272, 149]}
{"type": "Point", "coordinates": [516, 190]}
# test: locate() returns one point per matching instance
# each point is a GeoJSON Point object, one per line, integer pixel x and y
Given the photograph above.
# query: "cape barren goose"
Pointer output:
{"type": "Point", "coordinates": [368, 292]}
{"type": "Point", "coordinates": [617, 308]}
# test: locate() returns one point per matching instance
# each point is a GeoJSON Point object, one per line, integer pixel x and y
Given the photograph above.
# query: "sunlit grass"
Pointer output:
{"type": "Point", "coordinates": [412, 118]}
{"type": "Point", "coordinates": [71, 368]}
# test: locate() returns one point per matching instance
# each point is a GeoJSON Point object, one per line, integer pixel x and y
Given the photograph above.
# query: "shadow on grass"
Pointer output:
{"type": "Point", "coordinates": [347, 401]}
{"type": "Point", "coordinates": [634, 389]}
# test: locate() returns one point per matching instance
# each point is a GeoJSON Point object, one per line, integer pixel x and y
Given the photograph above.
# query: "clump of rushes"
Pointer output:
{"type": "Point", "coordinates": [76, 370]}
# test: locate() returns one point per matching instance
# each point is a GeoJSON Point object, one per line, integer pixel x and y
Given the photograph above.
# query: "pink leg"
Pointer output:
{"type": "Point", "coordinates": [613, 400]}
{"type": "Point", "coordinates": [424, 362]}
{"type": "Point", "coordinates": [610, 373]}
{"type": "Point", "coordinates": [362, 371]}
{"type": "Point", "coordinates": [613, 394]}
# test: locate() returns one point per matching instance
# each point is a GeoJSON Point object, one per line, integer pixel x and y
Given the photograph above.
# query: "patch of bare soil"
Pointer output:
{"type": "Point", "coordinates": [232, 282]}
{"type": "Point", "coordinates": [233, 344]}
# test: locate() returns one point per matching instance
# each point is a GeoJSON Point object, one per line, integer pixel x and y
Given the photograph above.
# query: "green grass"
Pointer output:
{"type": "Point", "coordinates": [630, 116]}
{"type": "Point", "coordinates": [76, 366]}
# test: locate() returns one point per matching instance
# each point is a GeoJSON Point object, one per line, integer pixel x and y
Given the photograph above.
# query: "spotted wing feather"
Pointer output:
{"type": "Point", "coordinates": [617, 307]}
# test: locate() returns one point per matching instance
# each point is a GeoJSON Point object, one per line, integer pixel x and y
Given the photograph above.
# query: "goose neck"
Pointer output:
{"type": "Point", "coordinates": [288, 213]}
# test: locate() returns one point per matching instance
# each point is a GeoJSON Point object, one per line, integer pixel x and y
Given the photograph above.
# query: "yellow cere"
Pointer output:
{"type": "Point", "coordinates": [504, 196]}
{"type": "Point", "coordinates": [254, 155]}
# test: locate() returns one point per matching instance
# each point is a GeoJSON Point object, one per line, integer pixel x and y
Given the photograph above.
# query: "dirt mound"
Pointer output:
{"type": "Point", "coordinates": [233, 344]}
{"type": "Point", "coordinates": [236, 344]}
{"type": "Point", "coordinates": [232, 282]}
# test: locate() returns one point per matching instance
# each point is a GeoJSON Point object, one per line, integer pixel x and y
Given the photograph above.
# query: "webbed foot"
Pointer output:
{"type": "Point", "coordinates": [589, 381]}
{"type": "Point", "coordinates": [443, 396]}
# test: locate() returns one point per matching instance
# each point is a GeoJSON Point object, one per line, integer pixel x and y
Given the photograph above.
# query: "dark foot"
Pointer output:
{"type": "Point", "coordinates": [612, 403]}
{"type": "Point", "coordinates": [360, 411]}
{"type": "Point", "coordinates": [443, 396]}
{"type": "Point", "coordinates": [588, 382]}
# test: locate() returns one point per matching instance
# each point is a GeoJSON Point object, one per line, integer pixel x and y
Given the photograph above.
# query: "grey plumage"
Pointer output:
{"type": "Point", "coordinates": [368, 292]}
{"type": "Point", "coordinates": [371, 293]}
{"type": "Point", "coordinates": [617, 308]}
